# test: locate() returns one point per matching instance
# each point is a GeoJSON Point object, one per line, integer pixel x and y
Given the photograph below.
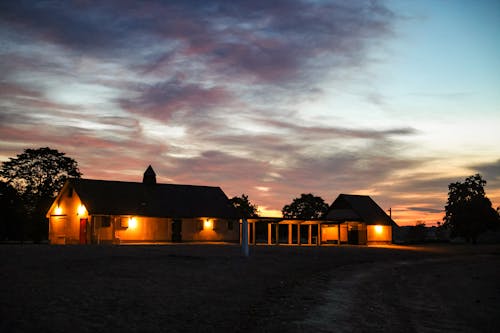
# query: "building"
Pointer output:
{"type": "Point", "coordinates": [90, 211]}
{"type": "Point", "coordinates": [359, 221]}
{"type": "Point", "coordinates": [351, 219]}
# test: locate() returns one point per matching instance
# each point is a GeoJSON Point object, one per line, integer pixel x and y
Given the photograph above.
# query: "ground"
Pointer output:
{"type": "Point", "coordinates": [278, 288]}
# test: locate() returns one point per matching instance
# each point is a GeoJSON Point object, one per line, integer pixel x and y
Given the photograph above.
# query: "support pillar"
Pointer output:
{"type": "Point", "coordinates": [269, 234]}
{"type": "Point", "coordinates": [254, 225]}
{"type": "Point", "coordinates": [338, 230]}
{"type": "Point", "coordinates": [309, 234]}
{"type": "Point", "coordinates": [277, 234]}
{"type": "Point", "coordinates": [290, 234]}
{"type": "Point", "coordinates": [319, 234]}
{"type": "Point", "coordinates": [244, 238]}
{"type": "Point", "coordinates": [298, 234]}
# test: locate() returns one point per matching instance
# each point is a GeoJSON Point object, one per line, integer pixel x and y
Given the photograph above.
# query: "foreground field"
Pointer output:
{"type": "Point", "coordinates": [212, 288]}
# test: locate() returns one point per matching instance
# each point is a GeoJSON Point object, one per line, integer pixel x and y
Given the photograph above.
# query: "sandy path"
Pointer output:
{"type": "Point", "coordinates": [457, 294]}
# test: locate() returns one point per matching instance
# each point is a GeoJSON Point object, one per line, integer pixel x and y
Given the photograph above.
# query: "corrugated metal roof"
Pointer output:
{"type": "Point", "coordinates": [361, 206]}
{"type": "Point", "coordinates": [155, 200]}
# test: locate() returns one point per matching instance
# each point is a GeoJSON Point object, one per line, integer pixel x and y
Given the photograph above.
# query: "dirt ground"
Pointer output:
{"type": "Point", "coordinates": [208, 288]}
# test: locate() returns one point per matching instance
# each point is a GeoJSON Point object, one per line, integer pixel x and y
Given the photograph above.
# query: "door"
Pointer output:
{"type": "Point", "coordinates": [176, 230]}
{"type": "Point", "coordinates": [352, 235]}
{"type": "Point", "coordinates": [83, 231]}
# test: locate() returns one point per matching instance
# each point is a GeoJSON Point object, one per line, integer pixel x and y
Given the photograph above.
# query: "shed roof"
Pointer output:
{"type": "Point", "coordinates": [358, 208]}
{"type": "Point", "coordinates": [155, 200]}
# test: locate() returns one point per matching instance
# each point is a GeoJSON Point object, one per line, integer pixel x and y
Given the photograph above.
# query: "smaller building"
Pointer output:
{"type": "Point", "coordinates": [351, 219]}
{"type": "Point", "coordinates": [359, 220]}
{"type": "Point", "coordinates": [88, 211]}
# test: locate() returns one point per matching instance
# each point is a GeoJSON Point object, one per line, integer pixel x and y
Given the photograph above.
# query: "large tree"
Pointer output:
{"type": "Point", "coordinates": [307, 206]}
{"type": "Point", "coordinates": [37, 175]}
{"type": "Point", "coordinates": [12, 222]}
{"type": "Point", "coordinates": [468, 211]}
{"type": "Point", "coordinates": [244, 206]}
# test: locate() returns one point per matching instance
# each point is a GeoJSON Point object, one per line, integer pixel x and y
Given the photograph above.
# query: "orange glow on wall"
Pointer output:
{"type": "Point", "coordinates": [208, 225]}
{"type": "Point", "coordinates": [132, 222]}
{"type": "Point", "coordinates": [81, 210]}
{"type": "Point", "coordinates": [379, 233]}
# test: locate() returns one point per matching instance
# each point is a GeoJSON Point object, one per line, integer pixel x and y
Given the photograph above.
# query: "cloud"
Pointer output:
{"type": "Point", "coordinates": [162, 100]}
{"type": "Point", "coordinates": [271, 41]}
{"type": "Point", "coordinates": [425, 209]}
{"type": "Point", "coordinates": [489, 171]}
{"type": "Point", "coordinates": [103, 81]}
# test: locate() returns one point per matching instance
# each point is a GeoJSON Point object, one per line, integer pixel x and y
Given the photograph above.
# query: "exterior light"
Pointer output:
{"type": "Point", "coordinates": [379, 229]}
{"type": "Point", "coordinates": [81, 210]}
{"type": "Point", "coordinates": [132, 222]}
{"type": "Point", "coordinates": [58, 210]}
{"type": "Point", "coordinates": [208, 224]}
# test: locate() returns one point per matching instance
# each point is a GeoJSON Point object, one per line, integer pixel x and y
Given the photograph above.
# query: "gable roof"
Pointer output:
{"type": "Point", "coordinates": [155, 200]}
{"type": "Point", "coordinates": [358, 208]}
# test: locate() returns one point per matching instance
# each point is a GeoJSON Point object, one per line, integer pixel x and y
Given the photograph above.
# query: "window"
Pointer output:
{"type": "Point", "coordinates": [124, 222]}
{"type": "Point", "coordinates": [105, 221]}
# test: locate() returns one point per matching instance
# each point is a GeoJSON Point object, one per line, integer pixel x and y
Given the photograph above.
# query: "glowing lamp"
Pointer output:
{"type": "Point", "coordinates": [132, 222]}
{"type": "Point", "coordinates": [81, 210]}
{"type": "Point", "coordinates": [379, 229]}
{"type": "Point", "coordinates": [208, 225]}
{"type": "Point", "coordinates": [58, 210]}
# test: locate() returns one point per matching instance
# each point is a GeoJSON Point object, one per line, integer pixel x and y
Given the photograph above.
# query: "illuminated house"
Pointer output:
{"type": "Point", "coordinates": [90, 211]}
{"type": "Point", "coordinates": [351, 219]}
{"type": "Point", "coordinates": [361, 221]}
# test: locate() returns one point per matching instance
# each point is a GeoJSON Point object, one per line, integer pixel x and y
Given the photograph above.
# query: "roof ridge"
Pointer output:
{"type": "Point", "coordinates": [131, 182]}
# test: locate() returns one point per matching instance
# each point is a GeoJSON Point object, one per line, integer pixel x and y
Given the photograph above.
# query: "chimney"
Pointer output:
{"type": "Point", "coordinates": [149, 176]}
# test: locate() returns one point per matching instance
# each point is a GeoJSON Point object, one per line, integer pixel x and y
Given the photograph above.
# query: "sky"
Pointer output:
{"type": "Point", "coordinates": [392, 99]}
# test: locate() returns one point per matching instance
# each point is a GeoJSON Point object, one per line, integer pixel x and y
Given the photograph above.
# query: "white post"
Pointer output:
{"type": "Point", "coordinates": [244, 238]}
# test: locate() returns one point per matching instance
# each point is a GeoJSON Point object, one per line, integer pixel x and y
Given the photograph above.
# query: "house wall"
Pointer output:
{"type": "Point", "coordinates": [379, 234]}
{"type": "Point", "coordinates": [343, 233]}
{"type": "Point", "coordinates": [147, 229]}
{"type": "Point", "coordinates": [64, 219]}
{"type": "Point", "coordinates": [329, 233]}
{"type": "Point", "coordinates": [144, 229]}
{"type": "Point", "coordinates": [215, 230]}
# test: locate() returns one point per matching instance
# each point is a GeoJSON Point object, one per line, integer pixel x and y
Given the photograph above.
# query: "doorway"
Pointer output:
{"type": "Point", "coordinates": [83, 231]}
{"type": "Point", "coordinates": [177, 230]}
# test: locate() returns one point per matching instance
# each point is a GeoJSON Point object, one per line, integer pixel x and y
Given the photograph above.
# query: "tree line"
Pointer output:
{"type": "Point", "coordinates": [30, 181]}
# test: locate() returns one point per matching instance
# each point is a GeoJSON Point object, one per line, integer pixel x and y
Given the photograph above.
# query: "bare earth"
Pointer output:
{"type": "Point", "coordinates": [210, 288]}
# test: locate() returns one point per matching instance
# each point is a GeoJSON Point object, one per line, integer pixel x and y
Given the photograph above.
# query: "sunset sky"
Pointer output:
{"type": "Point", "coordinates": [395, 99]}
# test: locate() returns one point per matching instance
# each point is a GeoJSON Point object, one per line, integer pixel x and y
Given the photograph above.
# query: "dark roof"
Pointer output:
{"type": "Point", "coordinates": [358, 208]}
{"type": "Point", "coordinates": [155, 200]}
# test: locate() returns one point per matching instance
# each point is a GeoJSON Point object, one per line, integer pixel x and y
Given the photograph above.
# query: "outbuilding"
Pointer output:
{"type": "Point", "coordinates": [350, 219]}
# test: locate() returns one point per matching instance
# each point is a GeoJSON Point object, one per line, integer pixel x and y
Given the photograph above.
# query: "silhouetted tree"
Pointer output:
{"type": "Point", "coordinates": [307, 206]}
{"type": "Point", "coordinates": [468, 211]}
{"type": "Point", "coordinates": [244, 206]}
{"type": "Point", "coordinates": [418, 232]}
{"type": "Point", "coordinates": [37, 175]}
{"type": "Point", "coordinates": [11, 220]}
